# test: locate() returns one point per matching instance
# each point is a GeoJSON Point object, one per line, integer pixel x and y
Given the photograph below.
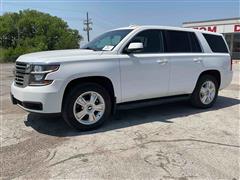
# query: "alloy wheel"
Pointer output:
{"type": "Point", "coordinates": [89, 108]}
{"type": "Point", "coordinates": [207, 92]}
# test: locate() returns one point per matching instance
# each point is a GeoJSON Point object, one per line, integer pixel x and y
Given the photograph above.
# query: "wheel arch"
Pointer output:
{"type": "Point", "coordinates": [213, 72]}
{"type": "Point", "coordinates": [100, 80]}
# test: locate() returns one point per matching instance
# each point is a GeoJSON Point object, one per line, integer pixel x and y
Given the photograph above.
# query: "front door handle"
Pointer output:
{"type": "Point", "coordinates": [162, 61]}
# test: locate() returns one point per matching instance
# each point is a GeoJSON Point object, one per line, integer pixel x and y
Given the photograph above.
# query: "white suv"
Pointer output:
{"type": "Point", "coordinates": [125, 67]}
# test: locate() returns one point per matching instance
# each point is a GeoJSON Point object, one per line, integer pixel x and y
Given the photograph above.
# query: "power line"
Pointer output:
{"type": "Point", "coordinates": [87, 27]}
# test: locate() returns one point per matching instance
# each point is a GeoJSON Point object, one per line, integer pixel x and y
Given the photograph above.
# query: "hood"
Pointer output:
{"type": "Point", "coordinates": [59, 56]}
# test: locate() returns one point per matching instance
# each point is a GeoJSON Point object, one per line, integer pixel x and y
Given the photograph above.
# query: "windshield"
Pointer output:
{"type": "Point", "coordinates": [107, 41]}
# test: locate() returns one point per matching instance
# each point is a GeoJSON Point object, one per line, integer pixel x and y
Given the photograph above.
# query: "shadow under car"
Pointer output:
{"type": "Point", "coordinates": [54, 125]}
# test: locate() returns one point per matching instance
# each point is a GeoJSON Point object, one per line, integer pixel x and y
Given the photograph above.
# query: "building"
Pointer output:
{"type": "Point", "coordinates": [230, 28]}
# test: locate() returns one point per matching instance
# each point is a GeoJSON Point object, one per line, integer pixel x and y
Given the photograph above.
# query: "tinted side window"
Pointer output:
{"type": "Point", "coordinates": [194, 43]}
{"type": "Point", "coordinates": [152, 41]}
{"type": "Point", "coordinates": [177, 41]}
{"type": "Point", "coordinates": [216, 43]}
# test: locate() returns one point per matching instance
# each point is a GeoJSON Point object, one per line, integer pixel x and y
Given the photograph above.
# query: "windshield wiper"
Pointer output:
{"type": "Point", "coordinates": [89, 48]}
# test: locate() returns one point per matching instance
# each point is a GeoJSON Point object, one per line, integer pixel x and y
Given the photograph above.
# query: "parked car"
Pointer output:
{"type": "Point", "coordinates": [123, 68]}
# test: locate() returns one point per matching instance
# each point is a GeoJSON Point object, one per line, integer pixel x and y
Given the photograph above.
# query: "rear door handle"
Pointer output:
{"type": "Point", "coordinates": [162, 61]}
{"type": "Point", "coordinates": [197, 60]}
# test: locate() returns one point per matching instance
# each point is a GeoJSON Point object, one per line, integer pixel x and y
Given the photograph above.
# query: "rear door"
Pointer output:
{"type": "Point", "coordinates": [185, 57]}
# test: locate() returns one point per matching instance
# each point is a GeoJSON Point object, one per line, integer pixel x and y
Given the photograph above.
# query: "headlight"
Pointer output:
{"type": "Point", "coordinates": [37, 68]}
{"type": "Point", "coordinates": [38, 74]}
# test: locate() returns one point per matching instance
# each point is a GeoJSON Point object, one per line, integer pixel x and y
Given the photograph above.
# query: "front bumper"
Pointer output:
{"type": "Point", "coordinates": [42, 99]}
{"type": "Point", "coordinates": [27, 104]}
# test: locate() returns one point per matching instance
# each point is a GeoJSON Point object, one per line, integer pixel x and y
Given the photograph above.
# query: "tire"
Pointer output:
{"type": "Point", "coordinates": [79, 102]}
{"type": "Point", "coordinates": [198, 95]}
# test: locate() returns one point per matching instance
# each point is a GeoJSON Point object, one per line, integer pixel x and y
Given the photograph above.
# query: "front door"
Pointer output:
{"type": "Point", "coordinates": [145, 74]}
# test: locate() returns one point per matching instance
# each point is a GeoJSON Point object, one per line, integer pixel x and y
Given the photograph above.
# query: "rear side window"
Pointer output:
{"type": "Point", "coordinates": [177, 41]}
{"type": "Point", "coordinates": [216, 43]}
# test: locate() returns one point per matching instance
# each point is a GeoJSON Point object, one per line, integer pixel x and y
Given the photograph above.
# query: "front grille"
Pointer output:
{"type": "Point", "coordinates": [21, 74]}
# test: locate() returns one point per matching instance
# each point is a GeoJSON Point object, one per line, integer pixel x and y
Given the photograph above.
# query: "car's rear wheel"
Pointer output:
{"type": "Point", "coordinates": [87, 106]}
{"type": "Point", "coordinates": [205, 92]}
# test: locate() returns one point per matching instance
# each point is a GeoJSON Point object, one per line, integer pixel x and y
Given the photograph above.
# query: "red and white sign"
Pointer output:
{"type": "Point", "coordinates": [237, 28]}
{"type": "Point", "coordinates": [228, 28]}
{"type": "Point", "coordinates": [208, 28]}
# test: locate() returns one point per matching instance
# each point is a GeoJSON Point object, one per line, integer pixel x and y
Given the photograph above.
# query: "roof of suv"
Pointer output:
{"type": "Point", "coordinates": [167, 28]}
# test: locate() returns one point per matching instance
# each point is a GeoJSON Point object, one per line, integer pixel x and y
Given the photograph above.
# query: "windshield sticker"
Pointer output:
{"type": "Point", "coordinates": [108, 48]}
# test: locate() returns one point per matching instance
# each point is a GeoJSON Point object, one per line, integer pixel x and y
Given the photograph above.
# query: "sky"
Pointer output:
{"type": "Point", "coordinates": [110, 14]}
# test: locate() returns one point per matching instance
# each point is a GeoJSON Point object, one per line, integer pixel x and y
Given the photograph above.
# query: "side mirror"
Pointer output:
{"type": "Point", "coordinates": [135, 46]}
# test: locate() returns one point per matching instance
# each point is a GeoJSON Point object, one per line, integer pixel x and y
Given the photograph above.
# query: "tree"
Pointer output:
{"type": "Point", "coordinates": [31, 31]}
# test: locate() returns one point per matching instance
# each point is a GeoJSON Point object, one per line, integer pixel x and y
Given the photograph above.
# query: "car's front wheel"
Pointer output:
{"type": "Point", "coordinates": [205, 92]}
{"type": "Point", "coordinates": [87, 106]}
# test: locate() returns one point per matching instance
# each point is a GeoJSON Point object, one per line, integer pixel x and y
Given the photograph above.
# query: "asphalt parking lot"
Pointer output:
{"type": "Point", "coordinates": [170, 141]}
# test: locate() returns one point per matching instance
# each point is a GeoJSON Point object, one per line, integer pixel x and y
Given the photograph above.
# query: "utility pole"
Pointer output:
{"type": "Point", "coordinates": [87, 27]}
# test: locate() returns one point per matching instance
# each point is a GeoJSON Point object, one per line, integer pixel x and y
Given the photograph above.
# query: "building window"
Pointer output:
{"type": "Point", "coordinates": [236, 46]}
{"type": "Point", "coordinates": [228, 38]}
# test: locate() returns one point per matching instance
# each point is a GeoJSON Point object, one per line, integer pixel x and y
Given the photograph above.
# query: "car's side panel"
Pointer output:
{"type": "Point", "coordinates": [185, 70]}
{"type": "Point", "coordinates": [144, 76]}
{"type": "Point", "coordinates": [220, 62]}
{"type": "Point", "coordinates": [107, 67]}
